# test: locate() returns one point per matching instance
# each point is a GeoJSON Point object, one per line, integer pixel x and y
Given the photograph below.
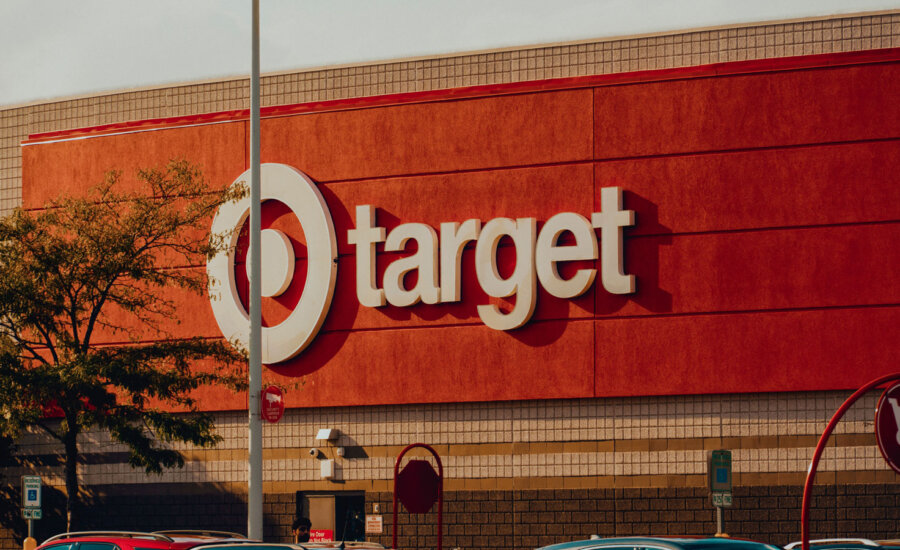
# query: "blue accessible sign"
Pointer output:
{"type": "Point", "coordinates": [31, 497]}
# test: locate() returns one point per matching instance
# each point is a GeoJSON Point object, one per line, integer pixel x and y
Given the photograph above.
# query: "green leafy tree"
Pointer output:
{"type": "Point", "coordinates": [106, 263]}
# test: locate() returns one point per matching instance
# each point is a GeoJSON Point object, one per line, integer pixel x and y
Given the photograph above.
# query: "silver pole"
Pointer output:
{"type": "Point", "coordinates": [254, 489]}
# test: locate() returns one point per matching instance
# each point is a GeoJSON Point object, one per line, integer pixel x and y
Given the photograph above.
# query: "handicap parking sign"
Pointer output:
{"type": "Point", "coordinates": [31, 491]}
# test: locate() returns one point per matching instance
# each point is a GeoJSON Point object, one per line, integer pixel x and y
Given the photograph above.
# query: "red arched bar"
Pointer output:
{"type": "Point", "coordinates": [820, 448]}
{"type": "Point", "coordinates": [440, 501]}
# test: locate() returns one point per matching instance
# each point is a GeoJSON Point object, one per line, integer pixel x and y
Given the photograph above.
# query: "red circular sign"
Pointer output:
{"type": "Point", "coordinates": [272, 404]}
{"type": "Point", "coordinates": [887, 426]}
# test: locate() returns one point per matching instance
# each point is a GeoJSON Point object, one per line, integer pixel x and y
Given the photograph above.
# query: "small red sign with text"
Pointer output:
{"type": "Point", "coordinates": [272, 404]}
{"type": "Point", "coordinates": [321, 535]}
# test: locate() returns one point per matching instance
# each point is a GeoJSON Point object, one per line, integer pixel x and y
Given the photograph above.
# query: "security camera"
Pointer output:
{"type": "Point", "coordinates": [314, 452]}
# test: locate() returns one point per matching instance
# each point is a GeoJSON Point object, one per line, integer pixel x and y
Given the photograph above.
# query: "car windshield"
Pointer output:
{"type": "Point", "coordinates": [91, 545]}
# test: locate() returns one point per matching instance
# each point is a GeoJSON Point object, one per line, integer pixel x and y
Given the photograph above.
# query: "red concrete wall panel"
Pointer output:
{"type": "Point", "coordinates": [823, 349]}
{"type": "Point", "coordinates": [193, 318]}
{"type": "Point", "coordinates": [682, 274]}
{"type": "Point", "coordinates": [448, 364]}
{"type": "Point", "coordinates": [444, 136]}
{"type": "Point", "coordinates": [767, 109]}
{"type": "Point", "coordinates": [698, 273]}
{"type": "Point", "coordinates": [835, 184]}
{"type": "Point", "coordinates": [71, 167]}
{"type": "Point", "coordinates": [758, 270]}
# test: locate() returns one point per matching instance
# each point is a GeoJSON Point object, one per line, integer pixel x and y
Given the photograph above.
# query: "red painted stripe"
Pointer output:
{"type": "Point", "coordinates": [887, 55]}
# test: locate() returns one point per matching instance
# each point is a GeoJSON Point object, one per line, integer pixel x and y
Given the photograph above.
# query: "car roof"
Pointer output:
{"type": "Point", "coordinates": [200, 534]}
{"type": "Point", "coordinates": [665, 543]}
{"type": "Point", "coordinates": [193, 542]}
{"type": "Point", "coordinates": [119, 541]}
{"type": "Point", "coordinates": [839, 545]}
{"type": "Point", "coordinates": [347, 544]}
{"type": "Point", "coordinates": [174, 540]}
{"type": "Point", "coordinates": [854, 543]}
{"type": "Point", "coordinates": [847, 544]}
{"type": "Point", "coordinates": [360, 545]}
{"type": "Point", "coordinates": [253, 544]}
{"type": "Point", "coordinates": [128, 537]}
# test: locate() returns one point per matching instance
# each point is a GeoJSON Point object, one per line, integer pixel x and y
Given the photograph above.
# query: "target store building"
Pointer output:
{"type": "Point", "coordinates": [572, 270]}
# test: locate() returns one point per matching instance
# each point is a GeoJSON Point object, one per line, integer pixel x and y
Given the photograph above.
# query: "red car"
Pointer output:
{"type": "Point", "coordinates": [128, 540]}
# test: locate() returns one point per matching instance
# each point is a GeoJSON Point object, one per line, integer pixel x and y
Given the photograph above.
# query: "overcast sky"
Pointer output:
{"type": "Point", "coordinates": [58, 48]}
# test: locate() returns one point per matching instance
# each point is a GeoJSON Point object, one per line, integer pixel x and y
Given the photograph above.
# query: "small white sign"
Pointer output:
{"type": "Point", "coordinates": [374, 525]}
{"type": "Point", "coordinates": [31, 491]}
{"type": "Point", "coordinates": [722, 500]}
{"type": "Point", "coordinates": [32, 513]}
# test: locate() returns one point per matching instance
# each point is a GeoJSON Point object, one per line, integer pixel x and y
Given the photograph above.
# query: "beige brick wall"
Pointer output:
{"type": "Point", "coordinates": [585, 443]}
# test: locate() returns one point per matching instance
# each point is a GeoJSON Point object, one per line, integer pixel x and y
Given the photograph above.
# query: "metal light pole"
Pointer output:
{"type": "Point", "coordinates": [254, 489]}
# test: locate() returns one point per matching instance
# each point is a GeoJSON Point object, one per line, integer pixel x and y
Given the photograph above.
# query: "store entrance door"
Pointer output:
{"type": "Point", "coordinates": [321, 514]}
{"type": "Point", "coordinates": [334, 516]}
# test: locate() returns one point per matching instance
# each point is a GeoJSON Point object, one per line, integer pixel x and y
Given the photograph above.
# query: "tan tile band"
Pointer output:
{"type": "Point", "coordinates": [757, 461]}
{"type": "Point", "coordinates": [509, 449]}
{"type": "Point", "coordinates": [516, 484]}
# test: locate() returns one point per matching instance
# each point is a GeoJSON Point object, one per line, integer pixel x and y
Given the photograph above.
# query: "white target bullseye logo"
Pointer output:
{"type": "Point", "coordinates": [295, 190]}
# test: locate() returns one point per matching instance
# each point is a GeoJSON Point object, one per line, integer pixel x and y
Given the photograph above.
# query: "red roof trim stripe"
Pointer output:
{"type": "Point", "coordinates": [718, 69]}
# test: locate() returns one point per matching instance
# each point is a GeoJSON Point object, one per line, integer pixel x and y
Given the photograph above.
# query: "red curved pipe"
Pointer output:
{"type": "Point", "coordinates": [820, 448]}
{"type": "Point", "coordinates": [440, 491]}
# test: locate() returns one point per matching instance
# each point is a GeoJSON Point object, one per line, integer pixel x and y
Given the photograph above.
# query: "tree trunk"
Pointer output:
{"type": "Point", "coordinates": [70, 441]}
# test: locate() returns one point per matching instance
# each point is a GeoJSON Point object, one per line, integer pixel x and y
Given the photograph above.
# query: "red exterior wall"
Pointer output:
{"type": "Point", "coordinates": [767, 199]}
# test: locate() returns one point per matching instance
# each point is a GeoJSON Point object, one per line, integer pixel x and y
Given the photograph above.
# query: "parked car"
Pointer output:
{"type": "Point", "coordinates": [846, 544]}
{"type": "Point", "coordinates": [356, 545]}
{"type": "Point", "coordinates": [253, 546]}
{"type": "Point", "coordinates": [200, 533]}
{"type": "Point", "coordinates": [135, 540]}
{"type": "Point", "coordinates": [661, 543]}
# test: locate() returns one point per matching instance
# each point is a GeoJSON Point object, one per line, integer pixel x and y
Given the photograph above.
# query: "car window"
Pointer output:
{"type": "Point", "coordinates": [61, 546]}
{"type": "Point", "coordinates": [97, 546]}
